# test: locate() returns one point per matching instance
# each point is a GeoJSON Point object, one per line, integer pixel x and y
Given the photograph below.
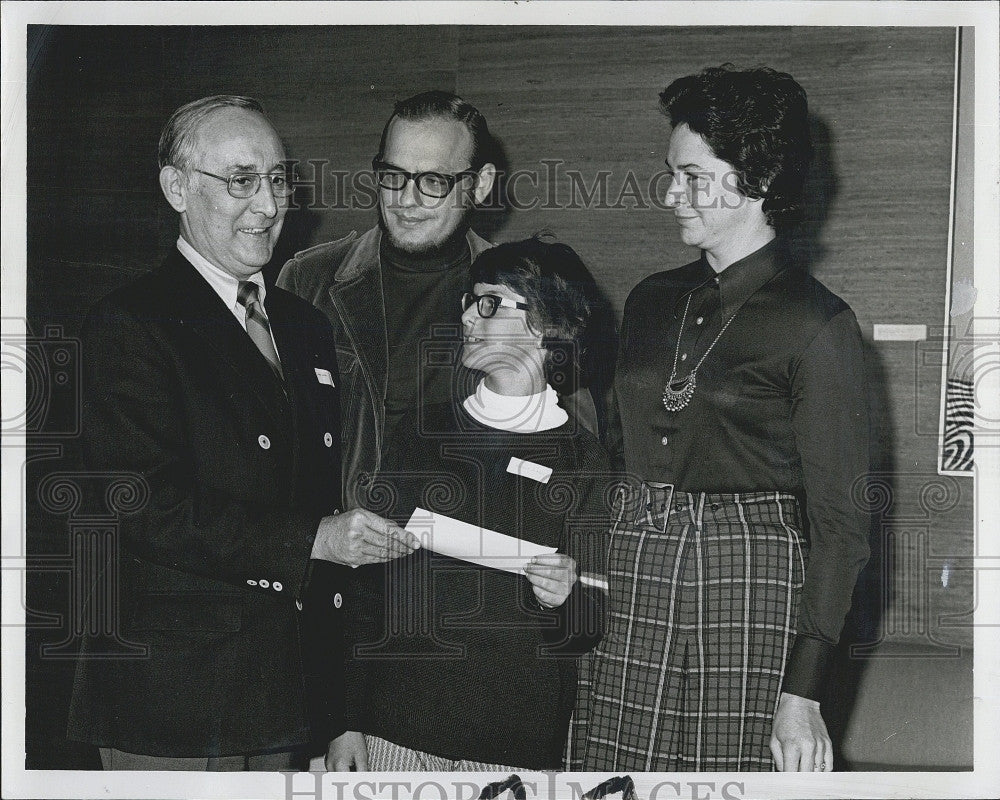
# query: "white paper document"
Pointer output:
{"type": "Point", "coordinates": [452, 537]}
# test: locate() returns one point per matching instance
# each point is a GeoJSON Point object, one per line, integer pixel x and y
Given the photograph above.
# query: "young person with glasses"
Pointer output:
{"type": "Point", "coordinates": [454, 666]}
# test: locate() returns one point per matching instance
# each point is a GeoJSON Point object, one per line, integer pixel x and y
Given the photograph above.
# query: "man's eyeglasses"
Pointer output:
{"type": "Point", "coordinates": [487, 304]}
{"type": "Point", "coordinates": [429, 184]}
{"type": "Point", "coordinates": [242, 185]}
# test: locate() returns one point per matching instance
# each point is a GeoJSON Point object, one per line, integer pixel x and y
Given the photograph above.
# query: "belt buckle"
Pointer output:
{"type": "Point", "coordinates": [651, 509]}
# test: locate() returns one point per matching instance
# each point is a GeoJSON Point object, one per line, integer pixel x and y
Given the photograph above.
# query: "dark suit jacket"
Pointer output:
{"type": "Point", "coordinates": [239, 471]}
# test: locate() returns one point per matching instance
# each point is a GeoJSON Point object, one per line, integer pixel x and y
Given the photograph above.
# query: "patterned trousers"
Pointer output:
{"type": "Point", "coordinates": [704, 591]}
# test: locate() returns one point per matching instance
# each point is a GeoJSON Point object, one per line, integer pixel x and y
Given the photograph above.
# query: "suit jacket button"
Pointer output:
{"type": "Point", "coordinates": [328, 439]}
{"type": "Point", "coordinates": [298, 605]}
{"type": "Point", "coordinates": [264, 583]}
{"type": "Point", "coordinates": [251, 582]}
{"type": "Point", "coordinates": [338, 600]}
{"type": "Point", "coordinates": [264, 442]}
{"type": "Point", "coordinates": [277, 586]}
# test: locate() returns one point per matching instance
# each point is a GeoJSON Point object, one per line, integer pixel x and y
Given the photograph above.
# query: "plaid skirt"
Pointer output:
{"type": "Point", "coordinates": [704, 592]}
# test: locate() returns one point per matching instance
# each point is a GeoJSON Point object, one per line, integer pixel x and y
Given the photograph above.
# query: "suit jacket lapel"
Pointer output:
{"type": "Point", "coordinates": [202, 311]}
{"type": "Point", "coordinates": [296, 360]}
{"type": "Point", "coordinates": [359, 304]}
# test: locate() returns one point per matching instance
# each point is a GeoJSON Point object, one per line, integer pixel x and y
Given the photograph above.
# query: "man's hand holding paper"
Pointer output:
{"type": "Point", "coordinates": [359, 537]}
{"type": "Point", "coordinates": [488, 548]}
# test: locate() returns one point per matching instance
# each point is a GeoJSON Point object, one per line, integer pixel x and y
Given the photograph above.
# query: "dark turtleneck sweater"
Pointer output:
{"type": "Point", "coordinates": [423, 320]}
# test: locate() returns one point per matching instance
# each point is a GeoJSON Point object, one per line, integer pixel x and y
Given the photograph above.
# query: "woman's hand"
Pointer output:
{"type": "Point", "coordinates": [799, 741]}
{"type": "Point", "coordinates": [552, 577]}
{"type": "Point", "coordinates": [347, 752]}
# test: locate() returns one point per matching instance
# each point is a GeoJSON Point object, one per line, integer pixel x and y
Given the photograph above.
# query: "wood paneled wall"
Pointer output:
{"type": "Point", "coordinates": [585, 97]}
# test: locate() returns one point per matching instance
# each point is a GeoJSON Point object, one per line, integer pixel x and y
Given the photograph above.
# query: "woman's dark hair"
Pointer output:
{"type": "Point", "coordinates": [559, 291]}
{"type": "Point", "coordinates": [758, 121]}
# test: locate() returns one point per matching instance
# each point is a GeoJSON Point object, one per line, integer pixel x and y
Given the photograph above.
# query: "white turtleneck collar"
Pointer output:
{"type": "Point", "coordinates": [531, 413]}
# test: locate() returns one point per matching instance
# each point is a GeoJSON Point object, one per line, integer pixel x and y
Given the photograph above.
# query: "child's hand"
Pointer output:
{"type": "Point", "coordinates": [552, 578]}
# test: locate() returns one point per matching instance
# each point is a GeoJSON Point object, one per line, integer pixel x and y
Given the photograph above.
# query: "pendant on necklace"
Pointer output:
{"type": "Point", "coordinates": [678, 393]}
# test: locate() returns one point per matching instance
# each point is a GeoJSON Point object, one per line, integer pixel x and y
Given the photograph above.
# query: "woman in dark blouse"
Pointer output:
{"type": "Point", "coordinates": [742, 399]}
{"type": "Point", "coordinates": [455, 666]}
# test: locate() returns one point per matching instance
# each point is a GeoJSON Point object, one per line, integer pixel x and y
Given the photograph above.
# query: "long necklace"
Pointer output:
{"type": "Point", "coordinates": [678, 393]}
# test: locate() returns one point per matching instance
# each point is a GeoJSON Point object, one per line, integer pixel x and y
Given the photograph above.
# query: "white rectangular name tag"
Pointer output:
{"type": "Point", "coordinates": [529, 469]}
{"type": "Point", "coordinates": [324, 376]}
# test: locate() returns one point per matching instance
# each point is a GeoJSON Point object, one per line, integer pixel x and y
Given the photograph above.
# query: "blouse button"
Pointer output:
{"type": "Point", "coordinates": [264, 442]}
{"type": "Point", "coordinates": [664, 440]}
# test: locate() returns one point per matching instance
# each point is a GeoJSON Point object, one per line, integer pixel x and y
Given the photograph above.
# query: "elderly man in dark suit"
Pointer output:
{"type": "Point", "coordinates": [221, 392]}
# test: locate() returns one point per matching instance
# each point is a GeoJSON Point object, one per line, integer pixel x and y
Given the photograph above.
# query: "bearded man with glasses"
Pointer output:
{"type": "Point", "coordinates": [387, 290]}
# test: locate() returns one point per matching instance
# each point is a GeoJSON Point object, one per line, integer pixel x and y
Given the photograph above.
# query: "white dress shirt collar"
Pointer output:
{"type": "Point", "coordinates": [224, 284]}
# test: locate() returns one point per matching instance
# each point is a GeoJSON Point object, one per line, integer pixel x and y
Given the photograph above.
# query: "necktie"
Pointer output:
{"type": "Point", "coordinates": [257, 327]}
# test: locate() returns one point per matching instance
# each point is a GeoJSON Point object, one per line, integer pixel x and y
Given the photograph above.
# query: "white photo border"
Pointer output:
{"type": "Point", "coordinates": [983, 782]}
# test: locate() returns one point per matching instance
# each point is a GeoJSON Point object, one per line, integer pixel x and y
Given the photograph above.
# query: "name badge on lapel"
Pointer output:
{"type": "Point", "coordinates": [529, 469]}
{"type": "Point", "coordinates": [324, 376]}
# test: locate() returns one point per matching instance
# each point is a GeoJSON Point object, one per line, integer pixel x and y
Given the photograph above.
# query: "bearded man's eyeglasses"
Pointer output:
{"type": "Point", "coordinates": [429, 184]}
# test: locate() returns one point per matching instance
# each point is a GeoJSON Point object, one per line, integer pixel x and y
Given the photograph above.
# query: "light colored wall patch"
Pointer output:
{"type": "Point", "coordinates": [899, 333]}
